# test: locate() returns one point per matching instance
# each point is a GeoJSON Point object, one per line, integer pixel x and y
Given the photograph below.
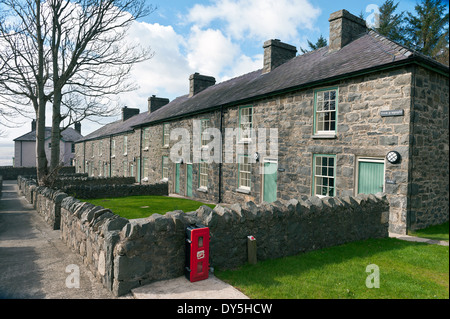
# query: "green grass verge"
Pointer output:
{"type": "Point", "coordinates": [407, 270]}
{"type": "Point", "coordinates": [438, 232]}
{"type": "Point", "coordinates": [143, 206]}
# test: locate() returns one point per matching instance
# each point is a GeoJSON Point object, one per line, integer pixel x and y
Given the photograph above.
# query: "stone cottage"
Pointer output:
{"type": "Point", "coordinates": [361, 115]}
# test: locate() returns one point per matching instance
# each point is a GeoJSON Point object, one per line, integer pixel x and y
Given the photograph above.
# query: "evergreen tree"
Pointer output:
{"type": "Point", "coordinates": [427, 29]}
{"type": "Point", "coordinates": [390, 23]}
{"type": "Point", "coordinates": [321, 42]}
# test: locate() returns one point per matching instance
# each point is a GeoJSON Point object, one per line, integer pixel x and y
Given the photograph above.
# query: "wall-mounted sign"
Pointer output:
{"type": "Point", "coordinates": [391, 181]}
{"type": "Point", "coordinates": [281, 169]}
{"type": "Point", "coordinates": [392, 113]}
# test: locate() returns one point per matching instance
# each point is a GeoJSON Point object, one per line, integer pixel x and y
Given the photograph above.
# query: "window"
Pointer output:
{"type": "Point", "coordinates": [105, 169]}
{"type": "Point", "coordinates": [146, 138]}
{"type": "Point", "coordinates": [100, 168]}
{"type": "Point", "coordinates": [204, 138]}
{"type": "Point", "coordinates": [145, 163]}
{"type": "Point", "coordinates": [245, 123]}
{"type": "Point", "coordinates": [73, 147]}
{"type": "Point", "coordinates": [165, 167]}
{"type": "Point", "coordinates": [49, 145]}
{"type": "Point", "coordinates": [166, 134]}
{"type": "Point", "coordinates": [113, 166]}
{"type": "Point", "coordinates": [125, 145]}
{"type": "Point", "coordinates": [100, 148]}
{"type": "Point", "coordinates": [324, 175]}
{"type": "Point", "coordinates": [125, 168]}
{"type": "Point", "coordinates": [92, 149]}
{"type": "Point", "coordinates": [203, 179]}
{"type": "Point", "coordinates": [244, 172]}
{"type": "Point", "coordinates": [325, 111]}
{"type": "Point", "coordinates": [113, 148]}
{"type": "Point", "coordinates": [131, 169]}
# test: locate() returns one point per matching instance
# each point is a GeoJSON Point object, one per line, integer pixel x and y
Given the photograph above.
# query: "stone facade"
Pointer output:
{"type": "Point", "coordinates": [399, 108]}
{"type": "Point", "coordinates": [123, 254]}
{"type": "Point", "coordinates": [429, 164]}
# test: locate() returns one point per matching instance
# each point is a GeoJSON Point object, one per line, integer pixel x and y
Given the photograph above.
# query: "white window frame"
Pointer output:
{"type": "Point", "coordinates": [203, 175]}
{"type": "Point", "coordinates": [317, 177]}
{"type": "Point", "coordinates": [166, 134]}
{"type": "Point", "coordinates": [244, 169]}
{"type": "Point", "coordinates": [322, 107]}
{"type": "Point", "coordinates": [245, 123]}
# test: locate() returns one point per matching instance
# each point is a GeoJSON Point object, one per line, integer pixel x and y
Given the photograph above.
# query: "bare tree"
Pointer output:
{"type": "Point", "coordinates": [25, 67]}
{"type": "Point", "coordinates": [73, 54]}
{"type": "Point", "coordinates": [91, 58]}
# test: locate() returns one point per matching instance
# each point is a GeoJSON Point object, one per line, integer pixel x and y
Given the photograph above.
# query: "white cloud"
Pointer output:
{"type": "Point", "coordinates": [257, 19]}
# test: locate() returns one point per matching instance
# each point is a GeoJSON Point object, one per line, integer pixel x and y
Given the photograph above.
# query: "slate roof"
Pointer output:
{"type": "Point", "coordinates": [68, 135]}
{"type": "Point", "coordinates": [370, 52]}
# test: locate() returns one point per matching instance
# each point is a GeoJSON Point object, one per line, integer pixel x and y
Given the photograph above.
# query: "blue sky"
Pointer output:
{"type": "Point", "coordinates": [220, 38]}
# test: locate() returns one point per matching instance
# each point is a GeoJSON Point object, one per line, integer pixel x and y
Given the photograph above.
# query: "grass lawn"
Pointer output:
{"type": "Point", "coordinates": [407, 270]}
{"type": "Point", "coordinates": [438, 232]}
{"type": "Point", "coordinates": [143, 206]}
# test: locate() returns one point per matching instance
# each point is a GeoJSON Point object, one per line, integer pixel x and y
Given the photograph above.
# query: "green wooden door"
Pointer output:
{"type": "Point", "coordinates": [370, 177]}
{"type": "Point", "coordinates": [270, 182]}
{"type": "Point", "coordinates": [177, 178]}
{"type": "Point", "coordinates": [189, 180]}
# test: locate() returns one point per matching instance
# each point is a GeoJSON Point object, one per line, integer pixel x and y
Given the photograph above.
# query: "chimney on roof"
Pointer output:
{"type": "Point", "coordinates": [344, 28]}
{"type": "Point", "coordinates": [128, 112]}
{"type": "Point", "coordinates": [33, 125]}
{"type": "Point", "coordinates": [198, 83]}
{"type": "Point", "coordinates": [277, 53]}
{"type": "Point", "coordinates": [155, 103]}
{"type": "Point", "coordinates": [77, 126]}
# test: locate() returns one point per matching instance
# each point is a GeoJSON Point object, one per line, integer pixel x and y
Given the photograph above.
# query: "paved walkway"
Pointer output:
{"type": "Point", "coordinates": [419, 239]}
{"type": "Point", "coordinates": [33, 258]}
{"type": "Point", "coordinates": [33, 263]}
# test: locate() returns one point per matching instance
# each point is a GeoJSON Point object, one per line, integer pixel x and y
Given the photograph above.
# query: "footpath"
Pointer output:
{"type": "Point", "coordinates": [36, 264]}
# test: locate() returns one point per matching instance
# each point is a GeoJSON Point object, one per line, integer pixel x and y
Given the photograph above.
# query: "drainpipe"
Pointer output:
{"type": "Point", "coordinates": [221, 154]}
{"type": "Point", "coordinates": [84, 157]}
{"type": "Point", "coordinates": [21, 154]}
{"type": "Point", "coordinates": [110, 145]}
{"type": "Point", "coordinates": [140, 156]}
{"type": "Point", "coordinates": [411, 149]}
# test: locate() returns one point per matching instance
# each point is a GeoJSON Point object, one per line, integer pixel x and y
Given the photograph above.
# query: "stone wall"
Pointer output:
{"type": "Point", "coordinates": [47, 203]}
{"type": "Point", "coordinates": [153, 248]}
{"type": "Point", "coordinates": [123, 254]}
{"type": "Point", "coordinates": [75, 180]}
{"type": "Point", "coordinates": [1, 185]}
{"type": "Point", "coordinates": [11, 173]}
{"type": "Point", "coordinates": [115, 190]}
{"type": "Point", "coordinates": [429, 189]}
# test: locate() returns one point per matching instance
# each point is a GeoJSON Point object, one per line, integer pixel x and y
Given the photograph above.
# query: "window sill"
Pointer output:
{"type": "Point", "coordinates": [125, 154]}
{"type": "Point", "coordinates": [164, 180]}
{"type": "Point", "coordinates": [165, 146]}
{"type": "Point", "coordinates": [114, 156]}
{"type": "Point", "coordinates": [324, 136]}
{"type": "Point", "coordinates": [145, 149]}
{"type": "Point", "coordinates": [202, 189]}
{"type": "Point", "coordinates": [245, 141]}
{"type": "Point", "coordinates": [243, 190]}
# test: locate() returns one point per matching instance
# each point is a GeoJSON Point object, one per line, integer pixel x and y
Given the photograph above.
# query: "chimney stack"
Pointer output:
{"type": "Point", "coordinates": [33, 125]}
{"type": "Point", "coordinates": [277, 53]}
{"type": "Point", "coordinates": [78, 127]}
{"type": "Point", "coordinates": [128, 112]}
{"type": "Point", "coordinates": [155, 103]}
{"type": "Point", "coordinates": [198, 83]}
{"type": "Point", "coordinates": [344, 28]}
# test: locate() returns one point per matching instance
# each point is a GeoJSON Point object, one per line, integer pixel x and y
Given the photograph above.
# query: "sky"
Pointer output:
{"type": "Point", "coordinates": [219, 38]}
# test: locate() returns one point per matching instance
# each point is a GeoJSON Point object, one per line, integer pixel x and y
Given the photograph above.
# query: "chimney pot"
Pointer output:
{"type": "Point", "coordinates": [276, 53]}
{"type": "Point", "coordinates": [155, 103]}
{"type": "Point", "coordinates": [344, 28]}
{"type": "Point", "coordinates": [33, 125]}
{"type": "Point", "coordinates": [128, 112]}
{"type": "Point", "coordinates": [198, 83]}
{"type": "Point", "coordinates": [78, 127]}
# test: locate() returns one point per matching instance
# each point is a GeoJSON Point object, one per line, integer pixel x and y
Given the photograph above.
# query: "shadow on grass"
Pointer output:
{"type": "Point", "coordinates": [437, 232]}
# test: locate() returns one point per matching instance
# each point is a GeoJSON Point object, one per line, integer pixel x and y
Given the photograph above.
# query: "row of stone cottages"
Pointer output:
{"type": "Point", "coordinates": [361, 115]}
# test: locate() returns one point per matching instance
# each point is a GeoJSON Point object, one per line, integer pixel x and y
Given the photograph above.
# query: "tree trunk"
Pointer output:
{"type": "Point", "coordinates": [56, 131]}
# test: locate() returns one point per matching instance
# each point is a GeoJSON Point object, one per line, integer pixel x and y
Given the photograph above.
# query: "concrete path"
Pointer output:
{"type": "Point", "coordinates": [181, 288]}
{"type": "Point", "coordinates": [419, 239]}
{"type": "Point", "coordinates": [34, 261]}
{"type": "Point", "coordinates": [33, 258]}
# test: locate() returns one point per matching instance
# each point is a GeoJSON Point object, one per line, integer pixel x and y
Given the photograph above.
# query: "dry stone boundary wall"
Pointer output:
{"type": "Point", "coordinates": [124, 254]}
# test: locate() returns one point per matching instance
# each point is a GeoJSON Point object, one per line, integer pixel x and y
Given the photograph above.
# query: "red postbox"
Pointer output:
{"type": "Point", "coordinates": [197, 253]}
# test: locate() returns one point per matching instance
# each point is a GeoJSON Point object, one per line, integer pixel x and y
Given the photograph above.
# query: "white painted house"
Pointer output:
{"type": "Point", "coordinates": [25, 146]}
